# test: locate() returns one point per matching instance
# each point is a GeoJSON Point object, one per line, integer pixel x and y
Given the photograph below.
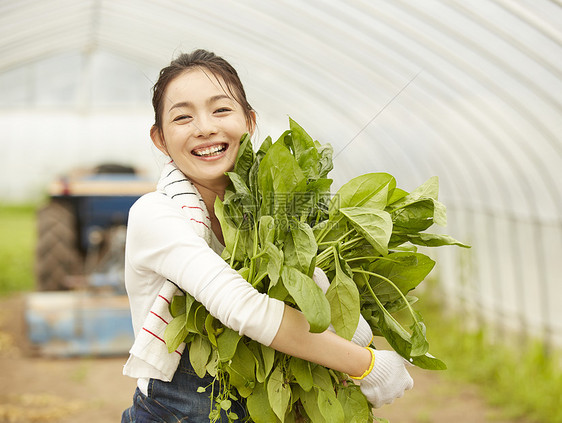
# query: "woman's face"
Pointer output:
{"type": "Point", "coordinates": [201, 127]}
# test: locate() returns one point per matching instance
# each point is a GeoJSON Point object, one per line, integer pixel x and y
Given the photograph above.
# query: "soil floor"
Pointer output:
{"type": "Point", "coordinates": [93, 390]}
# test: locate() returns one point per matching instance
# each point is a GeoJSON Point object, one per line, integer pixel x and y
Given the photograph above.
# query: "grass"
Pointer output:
{"type": "Point", "coordinates": [17, 243]}
{"type": "Point", "coordinates": [525, 382]}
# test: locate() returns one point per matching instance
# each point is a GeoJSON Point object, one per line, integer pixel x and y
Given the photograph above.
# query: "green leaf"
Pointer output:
{"type": "Point", "coordinates": [239, 185]}
{"type": "Point", "coordinates": [355, 406]}
{"type": "Point", "coordinates": [415, 217]}
{"type": "Point", "coordinates": [227, 344]}
{"type": "Point", "coordinates": [211, 327]}
{"type": "Point", "coordinates": [175, 333]}
{"type": "Point", "coordinates": [178, 305]}
{"type": "Point", "coordinates": [343, 297]}
{"type": "Point", "coordinates": [278, 392]}
{"type": "Point", "coordinates": [429, 190]}
{"type": "Point", "coordinates": [302, 373]}
{"type": "Point", "coordinates": [396, 195]}
{"type": "Point", "coordinates": [279, 176]}
{"type": "Point", "coordinates": [254, 347]}
{"type": "Point", "coordinates": [300, 248]}
{"type": "Point", "coordinates": [330, 407]}
{"type": "Point", "coordinates": [374, 225]}
{"type": "Point", "coordinates": [395, 334]}
{"type": "Point", "coordinates": [213, 362]}
{"type": "Point", "coordinates": [268, 355]}
{"type": "Point", "coordinates": [309, 401]}
{"type": "Point", "coordinates": [264, 147]}
{"type": "Point", "coordinates": [279, 292]}
{"type": "Point", "coordinates": [304, 150]}
{"type": "Point", "coordinates": [245, 158]}
{"type": "Point", "coordinates": [405, 270]}
{"type": "Point", "coordinates": [370, 191]}
{"type": "Point", "coordinates": [433, 240]}
{"type": "Point", "coordinates": [229, 231]}
{"type": "Point", "coordinates": [274, 263]}
{"type": "Point", "coordinates": [321, 378]}
{"type": "Point", "coordinates": [258, 406]}
{"type": "Point", "coordinates": [428, 362]}
{"type": "Point", "coordinates": [241, 369]}
{"type": "Point", "coordinates": [309, 298]}
{"type": "Point", "coordinates": [325, 163]}
{"type": "Point", "coordinates": [266, 229]}
{"type": "Point", "coordinates": [395, 306]}
{"type": "Point", "coordinates": [195, 321]}
{"type": "Point", "coordinates": [199, 351]}
{"type": "Point", "coordinates": [420, 346]}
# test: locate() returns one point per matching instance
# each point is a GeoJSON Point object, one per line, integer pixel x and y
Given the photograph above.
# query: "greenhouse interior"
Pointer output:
{"type": "Point", "coordinates": [468, 92]}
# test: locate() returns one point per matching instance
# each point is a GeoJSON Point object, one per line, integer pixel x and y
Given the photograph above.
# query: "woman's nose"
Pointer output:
{"type": "Point", "coordinates": [204, 127]}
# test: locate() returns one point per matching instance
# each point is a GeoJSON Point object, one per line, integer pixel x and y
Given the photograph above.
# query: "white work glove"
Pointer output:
{"type": "Point", "coordinates": [363, 335]}
{"type": "Point", "coordinates": [388, 379]}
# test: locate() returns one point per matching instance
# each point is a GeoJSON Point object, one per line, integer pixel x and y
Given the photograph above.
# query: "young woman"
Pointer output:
{"type": "Point", "coordinates": [174, 242]}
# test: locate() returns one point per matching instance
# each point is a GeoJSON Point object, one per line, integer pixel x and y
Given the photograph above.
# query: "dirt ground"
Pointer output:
{"type": "Point", "coordinates": [93, 390]}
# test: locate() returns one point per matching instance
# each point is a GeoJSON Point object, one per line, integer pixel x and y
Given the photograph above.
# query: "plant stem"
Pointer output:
{"type": "Point", "coordinates": [391, 284]}
{"type": "Point", "coordinates": [236, 238]}
{"type": "Point", "coordinates": [349, 244]}
{"type": "Point", "coordinates": [339, 239]}
{"type": "Point", "coordinates": [255, 253]}
{"type": "Point", "coordinates": [384, 310]}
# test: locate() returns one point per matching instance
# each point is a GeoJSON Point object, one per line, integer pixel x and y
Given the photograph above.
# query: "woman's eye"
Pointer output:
{"type": "Point", "coordinates": [181, 117]}
{"type": "Point", "coordinates": [222, 110]}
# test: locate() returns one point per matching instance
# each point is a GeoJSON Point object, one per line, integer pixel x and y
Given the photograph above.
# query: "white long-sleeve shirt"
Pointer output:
{"type": "Point", "coordinates": [162, 244]}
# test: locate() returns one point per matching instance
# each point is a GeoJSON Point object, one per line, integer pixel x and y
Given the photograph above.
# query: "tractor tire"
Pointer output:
{"type": "Point", "coordinates": [57, 255]}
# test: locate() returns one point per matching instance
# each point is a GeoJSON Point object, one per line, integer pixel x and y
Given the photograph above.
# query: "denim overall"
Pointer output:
{"type": "Point", "coordinates": [176, 401]}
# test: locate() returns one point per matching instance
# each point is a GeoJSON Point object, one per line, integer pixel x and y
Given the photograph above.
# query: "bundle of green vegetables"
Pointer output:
{"type": "Point", "coordinates": [279, 222]}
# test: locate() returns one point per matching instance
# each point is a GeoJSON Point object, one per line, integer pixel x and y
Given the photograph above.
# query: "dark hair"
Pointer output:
{"type": "Point", "coordinates": [218, 66]}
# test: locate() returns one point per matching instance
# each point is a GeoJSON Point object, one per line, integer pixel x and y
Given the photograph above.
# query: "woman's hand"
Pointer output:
{"type": "Point", "coordinates": [388, 379]}
{"type": "Point", "coordinates": [363, 335]}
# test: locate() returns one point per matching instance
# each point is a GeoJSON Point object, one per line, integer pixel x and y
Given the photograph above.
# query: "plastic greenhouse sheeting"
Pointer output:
{"type": "Point", "coordinates": [468, 91]}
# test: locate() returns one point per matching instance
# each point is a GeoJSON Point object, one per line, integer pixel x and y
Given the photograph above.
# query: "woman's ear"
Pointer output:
{"type": "Point", "coordinates": [252, 127]}
{"type": "Point", "coordinates": [158, 139]}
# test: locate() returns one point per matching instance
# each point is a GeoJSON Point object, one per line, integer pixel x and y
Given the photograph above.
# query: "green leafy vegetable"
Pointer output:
{"type": "Point", "coordinates": [279, 222]}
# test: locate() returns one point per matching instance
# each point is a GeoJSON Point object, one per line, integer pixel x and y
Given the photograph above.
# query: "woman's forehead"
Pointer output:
{"type": "Point", "coordinates": [198, 83]}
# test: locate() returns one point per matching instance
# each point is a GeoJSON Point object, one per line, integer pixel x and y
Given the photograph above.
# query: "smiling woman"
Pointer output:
{"type": "Point", "coordinates": [200, 130]}
{"type": "Point", "coordinates": [174, 241]}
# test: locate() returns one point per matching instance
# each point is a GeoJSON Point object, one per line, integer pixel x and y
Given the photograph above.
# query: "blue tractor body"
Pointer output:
{"type": "Point", "coordinates": [81, 307]}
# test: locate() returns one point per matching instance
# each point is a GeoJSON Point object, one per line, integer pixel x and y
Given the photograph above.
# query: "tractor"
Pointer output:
{"type": "Point", "coordinates": [80, 306]}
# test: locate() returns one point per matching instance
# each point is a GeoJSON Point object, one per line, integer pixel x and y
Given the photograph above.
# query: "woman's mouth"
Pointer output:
{"type": "Point", "coordinates": [210, 151]}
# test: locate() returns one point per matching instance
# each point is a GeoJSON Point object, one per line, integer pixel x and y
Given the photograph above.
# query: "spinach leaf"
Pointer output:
{"type": "Point", "coordinates": [309, 298]}
{"type": "Point", "coordinates": [259, 406]}
{"type": "Point", "coordinates": [343, 297]}
{"type": "Point", "coordinates": [278, 393]}
{"type": "Point", "coordinates": [300, 248]}
{"type": "Point", "coordinates": [370, 191]}
{"type": "Point", "coordinates": [374, 225]}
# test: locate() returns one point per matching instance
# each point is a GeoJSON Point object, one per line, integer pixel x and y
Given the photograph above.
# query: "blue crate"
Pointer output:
{"type": "Point", "coordinates": [73, 323]}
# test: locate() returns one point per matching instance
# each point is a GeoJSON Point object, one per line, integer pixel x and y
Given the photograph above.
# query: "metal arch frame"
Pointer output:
{"type": "Point", "coordinates": [486, 125]}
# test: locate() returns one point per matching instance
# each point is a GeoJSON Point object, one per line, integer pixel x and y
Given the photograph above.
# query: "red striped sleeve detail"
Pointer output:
{"type": "Point", "coordinates": [203, 223]}
{"type": "Point", "coordinates": [157, 337]}
{"type": "Point", "coordinates": [160, 317]}
{"type": "Point", "coordinates": [153, 334]}
{"type": "Point", "coordinates": [195, 207]}
{"type": "Point", "coordinates": [164, 298]}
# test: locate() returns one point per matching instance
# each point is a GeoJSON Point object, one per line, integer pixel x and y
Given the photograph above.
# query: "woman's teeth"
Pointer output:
{"type": "Point", "coordinates": [210, 151]}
